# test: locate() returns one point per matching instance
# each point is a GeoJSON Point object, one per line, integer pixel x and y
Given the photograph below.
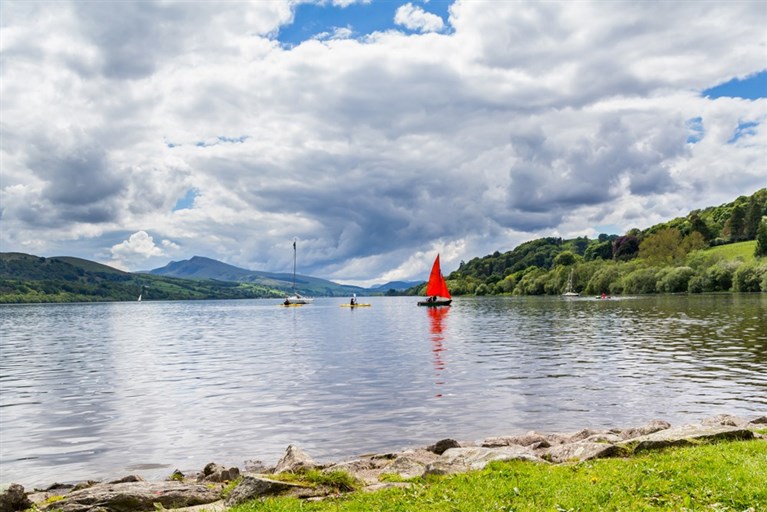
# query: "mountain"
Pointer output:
{"type": "Point", "coordinates": [29, 278]}
{"type": "Point", "coordinates": [199, 267]}
{"type": "Point", "coordinates": [394, 285]}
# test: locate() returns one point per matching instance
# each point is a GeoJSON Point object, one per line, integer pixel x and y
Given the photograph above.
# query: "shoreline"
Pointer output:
{"type": "Point", "coordinates": [446, 456]}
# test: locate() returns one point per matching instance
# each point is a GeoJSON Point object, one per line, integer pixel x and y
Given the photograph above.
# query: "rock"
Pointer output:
{"type": "Point", "coordinates": [365, 470]}
{"type": "Point", "coordinates": [84, 485]}
{"type": "Point", "coordinates": [294, 459]}
{"type": "Point", "coordinates": [129, 478]}
{"type": "Point", "coordinates": [13, 498]}
{"type": "Point", "coordinates": [685, 435]}
{"type": "Point", "coordinates": [458, 460]}
{"type": "Point", "coordinates": [582, 450]}
{"type": "Point", "coordinates": [406, 467]}
{"type": "Point", "coordinates": [252, 487]}
{"type": "Point", "coordinates": [445, 444]}
{"type": "Point", "coordinates": [217, 473]}
{"type": "Point", "coordinates": [759, 422]}
{"type": "Point", "coordinates": [584, 434]}
{"type": "Point", "coordinates": [726, 420]}
{"type": "Point", "coordinates": [650, 428]}
{"type": "Point", "coordinates": [135, 496]}
{"type": "Point", "coordinates": [531, 439]}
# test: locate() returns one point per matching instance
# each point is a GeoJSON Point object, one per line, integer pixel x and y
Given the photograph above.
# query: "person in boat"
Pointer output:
{"type": "Point", "coordinates": [287, 302]}
{"type": "Point", "coordinates": [432, 299]}
{"type": "Point", "coordinates": [353, 302]}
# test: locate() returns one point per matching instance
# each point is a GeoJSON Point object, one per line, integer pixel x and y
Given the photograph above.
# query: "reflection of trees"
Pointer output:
{"type": "Point", "coordinates": [436, 318]}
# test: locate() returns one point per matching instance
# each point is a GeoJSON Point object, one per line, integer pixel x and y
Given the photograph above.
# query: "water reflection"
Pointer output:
{"type": "Point", "coordinates": [89, 390]}
{"type": "Point", "coordinates": [437, 316]}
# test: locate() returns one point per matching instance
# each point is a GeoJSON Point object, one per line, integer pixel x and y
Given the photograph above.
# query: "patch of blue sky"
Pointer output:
{"type": "Point", "coordinates": [187, 201]}
{"type": "Point", "coordinates": [695, 130]}
{"type": "Point", "coordinates": [324, 20]}
{"type": "Point", "coordinates": [608, 229]}
{"type": "Point", "coordinates": [751, 88]}
{"type": "Point", "coordinates": [221, 140]}
{"type": "Point", "coordinates": [744, 129]}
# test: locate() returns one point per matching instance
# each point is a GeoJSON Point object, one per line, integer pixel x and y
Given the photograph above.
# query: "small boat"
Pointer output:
{"type": "Point", "coordinates": [139, 297]}
{"type": "Point", "coordinates": [296, 298]}
{"type": "Point", "coordinates": [569, 292]}
{"type": "Point", "coordinates": [436, 289]}
{"type": "Point", "coordinates": [357, 305]}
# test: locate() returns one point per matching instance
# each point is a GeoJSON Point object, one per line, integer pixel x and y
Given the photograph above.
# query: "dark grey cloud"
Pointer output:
{"type": "Point", "coordinates": [527, 120]}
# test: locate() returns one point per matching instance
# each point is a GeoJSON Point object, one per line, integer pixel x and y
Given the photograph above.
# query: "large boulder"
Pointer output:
{"type": "Point", "coordinates": [531, 439]}
{"type": "Point", "coordinates": [13, 498]}
{"type": "Point", "coordinates": [213, 472]}
{"type": "Point", "coordinates": [135, 497]}
{"type": "Point", "coordinates": [252, 487]}
{"type": "Point", "coordinates": [582, 450]}
{"type": "Point", "coordinates": [459, 460]}
{"type": "Point", "coordinates": [649, 428]}
{"type": "Point", "coordinates": [686, 435]}
{"type": "Point", "coordinates": [295, 459]}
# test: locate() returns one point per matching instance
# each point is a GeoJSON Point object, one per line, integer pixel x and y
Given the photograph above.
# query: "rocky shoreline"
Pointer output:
{"type": "Point", "coordinates": [217, 488]}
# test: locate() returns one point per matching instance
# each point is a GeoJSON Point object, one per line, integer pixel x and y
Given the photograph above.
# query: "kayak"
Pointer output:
{"type": "Point", "coordinates": [355, 305]}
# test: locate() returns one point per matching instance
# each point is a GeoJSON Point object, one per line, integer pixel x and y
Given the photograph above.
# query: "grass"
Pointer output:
{"type": "Point", "coordinates": [340, 481]}
{"type": "Point", "coordinates": [720, 477]}
{"type": "Point", "coordinates": [741, 250]}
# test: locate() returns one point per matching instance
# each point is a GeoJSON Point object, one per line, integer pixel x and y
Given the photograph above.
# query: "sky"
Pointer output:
{"type": "Point", "coordinates": [376, 134]}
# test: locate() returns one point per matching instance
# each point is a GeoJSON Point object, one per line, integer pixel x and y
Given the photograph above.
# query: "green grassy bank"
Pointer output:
{"type": "Point", "coordinates": [725, 476]}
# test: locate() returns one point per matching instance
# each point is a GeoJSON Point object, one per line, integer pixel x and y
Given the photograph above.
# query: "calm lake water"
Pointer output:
{"type": "Point", "coordinates": [105, 390]}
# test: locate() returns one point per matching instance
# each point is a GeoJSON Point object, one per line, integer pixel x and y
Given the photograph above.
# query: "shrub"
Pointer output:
{"type": "Point", "coordinates": [675, 280]}
{"type": "Point", "coordinates": [697, 284]}
{"type": "Point", "coordinates": [719, 276]}
{"type": "Point", "coordinates": [642, 280]}
{"type": "Point", "coordinates": [747, 278]}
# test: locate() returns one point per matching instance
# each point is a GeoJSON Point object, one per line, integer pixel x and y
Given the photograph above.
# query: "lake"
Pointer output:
{"type": "Point", "coordinates": [105, 390]}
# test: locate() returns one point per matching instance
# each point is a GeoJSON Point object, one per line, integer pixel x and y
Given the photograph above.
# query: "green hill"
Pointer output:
{"type": "Point", "coordinates": [684, 254]}
{"type": "Point", "coordinates": [28, 278]}
{"type": "Point", "coordinates": [199, 267]}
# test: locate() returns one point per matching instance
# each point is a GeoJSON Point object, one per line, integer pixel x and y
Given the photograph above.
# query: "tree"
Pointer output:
{"type": "Point", "coordinates": [693, 242]}
{"type": "Point", "coordinates": [662, 248]}
{"type": "Point", "coordinates": [753, 218]}
{"type": "Point", "coordinates": [736, 223]}
{"type": "Point", "coordinates": [625, 247]}
{"type": "Point", "coordinates": [761, 240]}
{"type": "Point", "coordinates": [699, 225]}
{"type": "Point", "coordinates": [565, 258]}
{"type": "Point", "coordinates": [599, 250]}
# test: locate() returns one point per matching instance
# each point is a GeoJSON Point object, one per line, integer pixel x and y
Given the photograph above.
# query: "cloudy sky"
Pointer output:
{"type": "Point", "coordinates": [376, 133]}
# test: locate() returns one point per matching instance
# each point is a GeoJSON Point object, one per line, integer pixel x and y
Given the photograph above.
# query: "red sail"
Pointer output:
{"type": "Point", "coordinates": [437, 286]}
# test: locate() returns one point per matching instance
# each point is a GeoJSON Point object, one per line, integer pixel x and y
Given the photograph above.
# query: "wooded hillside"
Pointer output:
{"type": "Point", "coordinates": [675, 256]}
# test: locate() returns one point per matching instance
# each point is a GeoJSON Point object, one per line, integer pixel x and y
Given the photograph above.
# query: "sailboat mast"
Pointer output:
{"type": "Point", "coordinates": [294, 265]}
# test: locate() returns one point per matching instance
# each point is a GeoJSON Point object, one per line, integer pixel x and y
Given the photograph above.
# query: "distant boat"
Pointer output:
{"type": "Point", "coordinates": [296, 298]}
{"type": "Point", "coordinates": [436, 289]}
{"type": "Point", "coordinates": [569, 292]}
{"type": "Point", "coordinates": [139, 297]}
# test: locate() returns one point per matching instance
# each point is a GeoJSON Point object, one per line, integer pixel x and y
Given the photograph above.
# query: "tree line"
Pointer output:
{"type": "Point", "coordinates": [722, 248]}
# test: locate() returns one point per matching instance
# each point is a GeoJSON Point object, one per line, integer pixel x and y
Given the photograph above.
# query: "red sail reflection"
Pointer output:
{"type": "Point", "coordinates": [437, 318]}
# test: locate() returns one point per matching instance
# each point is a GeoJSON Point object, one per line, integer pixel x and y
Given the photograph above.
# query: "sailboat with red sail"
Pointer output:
{"type": "Point", "coordinates": [436, 289]}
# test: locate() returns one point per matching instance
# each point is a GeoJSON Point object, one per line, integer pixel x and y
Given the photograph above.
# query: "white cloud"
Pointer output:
{"type": "Point", "coordinates": [138, 249]}
{"type": "Point", "coordinates": [529, 119]}
{"type": "Point", "coordinates": [415, 18]}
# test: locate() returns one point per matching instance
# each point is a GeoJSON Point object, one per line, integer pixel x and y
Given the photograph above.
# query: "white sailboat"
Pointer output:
{"type": "Point", "coordinates": [569, 292]}
{"type": "Point", "coordinates": [296, 299]}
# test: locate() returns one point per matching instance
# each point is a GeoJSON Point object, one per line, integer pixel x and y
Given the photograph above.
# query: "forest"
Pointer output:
{"type": "Point", "coordinates": [717, 249]}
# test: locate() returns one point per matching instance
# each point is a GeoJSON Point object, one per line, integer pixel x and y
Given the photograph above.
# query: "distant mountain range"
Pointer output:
{"type": "Point", "coordinates": [28, 278]}
{"type": "Point", "coordinates": [199, 267]}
